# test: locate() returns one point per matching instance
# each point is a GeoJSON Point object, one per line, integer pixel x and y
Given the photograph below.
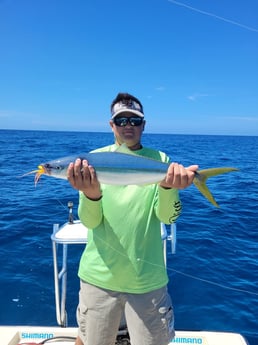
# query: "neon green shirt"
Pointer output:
{"type": "Point", "coordinates": [124, 251]}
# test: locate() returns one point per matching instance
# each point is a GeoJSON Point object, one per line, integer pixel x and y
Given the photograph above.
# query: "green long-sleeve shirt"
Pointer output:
{"type": "Point", "coordinates": [124, 250]}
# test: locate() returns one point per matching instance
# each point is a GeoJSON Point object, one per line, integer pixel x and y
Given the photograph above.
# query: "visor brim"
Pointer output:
{"type": "Point", "coordinates": [124, 110]}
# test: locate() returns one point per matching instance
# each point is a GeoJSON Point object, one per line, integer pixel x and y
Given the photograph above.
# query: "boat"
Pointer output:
{"type": "Point", "coordinates": [15, 335]}
{"type": "Point", "coordinates": [74, 232]}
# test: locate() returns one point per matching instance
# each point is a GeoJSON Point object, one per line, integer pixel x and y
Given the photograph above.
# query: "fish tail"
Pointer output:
{"type": "Point", "coordinates": [201, 177]}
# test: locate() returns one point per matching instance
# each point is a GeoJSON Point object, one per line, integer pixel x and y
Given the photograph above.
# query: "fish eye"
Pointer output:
{"type": "Point", "coordinates": [53, 166]}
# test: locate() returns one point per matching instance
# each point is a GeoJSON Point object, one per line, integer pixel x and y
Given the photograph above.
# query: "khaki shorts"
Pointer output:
{"type": "Point", "coordinates": [149, 316]}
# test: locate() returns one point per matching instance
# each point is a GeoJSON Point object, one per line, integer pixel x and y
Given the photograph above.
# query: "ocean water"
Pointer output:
{"type": "Point", "coordinates": [214, 273]}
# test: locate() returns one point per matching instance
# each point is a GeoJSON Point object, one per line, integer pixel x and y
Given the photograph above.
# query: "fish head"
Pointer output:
{"type": "Point", "coordinates": [54, 168]}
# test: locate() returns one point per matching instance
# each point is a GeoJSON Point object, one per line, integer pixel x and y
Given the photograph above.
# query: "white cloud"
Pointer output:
{"type": "Point", "coordinates": [160, 88]}
{"type": "Point", "coordinates": [196, 96]}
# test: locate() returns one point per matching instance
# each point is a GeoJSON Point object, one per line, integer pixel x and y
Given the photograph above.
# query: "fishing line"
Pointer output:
{"type": "Point", "coordinates": [213, 15]}
{"type": "Point", "coordinates": [179, 272]}
{"type": "Point", "coordinates": [60, 202]}
{"type": "Point", "coordinates": [212, 283]}
{"type": "Point", "coordinates": [168, 268]}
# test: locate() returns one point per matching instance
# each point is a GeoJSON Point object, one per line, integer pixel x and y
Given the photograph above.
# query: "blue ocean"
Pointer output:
{"type": "Point", "coordinates": [214, 273]}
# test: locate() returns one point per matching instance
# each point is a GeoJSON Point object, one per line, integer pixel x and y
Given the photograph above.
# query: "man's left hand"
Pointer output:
{"type": "Point", "coordinates": [178, 176]}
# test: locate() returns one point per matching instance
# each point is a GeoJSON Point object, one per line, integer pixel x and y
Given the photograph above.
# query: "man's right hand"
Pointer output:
{"type": "Point", "coordinates": [83, 177]}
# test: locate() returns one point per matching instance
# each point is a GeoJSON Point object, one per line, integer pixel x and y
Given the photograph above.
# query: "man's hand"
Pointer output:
{"type": "Point", "coordinates": [82, 177]}
{"type": "Point", "coordinates": [178, 176]}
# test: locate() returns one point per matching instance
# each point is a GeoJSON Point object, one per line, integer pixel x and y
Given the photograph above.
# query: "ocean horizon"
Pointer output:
{"type": "Point", "coordinates": [108, 132]}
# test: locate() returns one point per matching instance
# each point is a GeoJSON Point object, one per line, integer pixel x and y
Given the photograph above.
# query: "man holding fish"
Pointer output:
{"type": "Point", "coordinates": [126, 190]}
{"type": "Point", "coordinates": [122, 269]}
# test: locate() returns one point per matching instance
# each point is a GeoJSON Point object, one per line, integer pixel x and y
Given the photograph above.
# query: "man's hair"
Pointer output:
{"type": "Point", "coordinates": [124, 97]}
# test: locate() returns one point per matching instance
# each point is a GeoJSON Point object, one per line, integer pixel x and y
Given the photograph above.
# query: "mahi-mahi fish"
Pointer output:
{"type": "Point", "coordinates": [124, 167]}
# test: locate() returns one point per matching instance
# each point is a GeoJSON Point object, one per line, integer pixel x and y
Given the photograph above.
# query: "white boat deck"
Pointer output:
{"type": "Point", "coordinates": [38, 335]}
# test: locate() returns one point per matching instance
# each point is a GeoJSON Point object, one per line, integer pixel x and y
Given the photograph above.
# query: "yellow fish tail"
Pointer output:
{"type": "Point", "coordinates": [201, 177]}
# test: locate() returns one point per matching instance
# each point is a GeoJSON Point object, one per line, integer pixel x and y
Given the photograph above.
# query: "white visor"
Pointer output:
{"type": "Point", "coordinates": [128, 106]}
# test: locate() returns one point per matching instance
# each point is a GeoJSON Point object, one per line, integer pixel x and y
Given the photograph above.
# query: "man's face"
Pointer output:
{"type": "Point", "coordinates": [128, 134]}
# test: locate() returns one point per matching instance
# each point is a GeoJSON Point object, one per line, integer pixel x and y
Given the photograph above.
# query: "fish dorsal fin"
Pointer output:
{"type": "Point", "coordinates": [124, 149]}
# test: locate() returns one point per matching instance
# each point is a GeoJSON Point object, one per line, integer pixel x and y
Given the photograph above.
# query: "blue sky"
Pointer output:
{"type": "Point", "coordinates": [192, 63]}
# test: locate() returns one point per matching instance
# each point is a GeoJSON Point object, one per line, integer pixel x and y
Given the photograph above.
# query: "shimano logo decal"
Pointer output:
{"type": "Point", "coordinates": [186, 340]}
{"type": "Point", "coordinates": [25, 335]}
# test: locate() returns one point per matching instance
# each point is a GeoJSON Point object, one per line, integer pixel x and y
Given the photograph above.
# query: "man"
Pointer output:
{"type": "Point", "coordinates": [122, 269]}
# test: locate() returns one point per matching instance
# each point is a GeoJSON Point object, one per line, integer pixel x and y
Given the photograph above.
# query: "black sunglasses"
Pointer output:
{"type": "Point", "coordinates": [123, 121]}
